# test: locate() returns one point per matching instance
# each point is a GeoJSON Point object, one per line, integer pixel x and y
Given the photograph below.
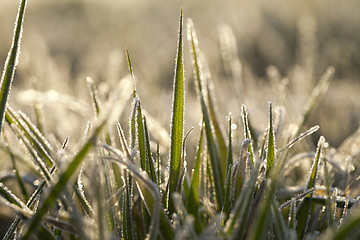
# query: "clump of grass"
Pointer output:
{"type": "Point", "coordinates": [118, 188]}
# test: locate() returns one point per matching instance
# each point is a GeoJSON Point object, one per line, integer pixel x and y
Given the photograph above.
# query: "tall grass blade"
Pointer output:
{"type": "Point", "coordinates": [237, 223]}
{"type": "Point", "coordinates": [229, 164]}
{"type": "Point", "coordinates": [193, 202]}
{"type": "Point", "coordinates": [216, 127]}
{"type": "Point", "coordinates": [270, 157]}
{"type": "Point", "coordinates": [141, 136]}
{"type": "Point", "coordinates": [247, 133]}
{"type": "Point", "coordinates": [150, 169]}
{"type": "Point", "coordinates": [127, 229]}
{"type": "Point", "coordinates": [177, 121]}
{"type": "Point", "coordinates": [303, 212]}
{"type": "Point", "coordinates": [11, 61]}
{"type": "Point", "coordinates": [216, 165]}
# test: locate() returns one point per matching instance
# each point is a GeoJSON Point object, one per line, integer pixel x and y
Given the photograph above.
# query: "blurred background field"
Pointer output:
{"type": "Point", "coordinates": [65, 41]}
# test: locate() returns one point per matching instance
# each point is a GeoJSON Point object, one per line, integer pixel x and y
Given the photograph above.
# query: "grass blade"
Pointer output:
{"type": "Point", "coordinates": [303, 212]}
{"type": "Point", "coordinates": [193, 202]}
{"type": "Point", "coordinates": [247, 133]}
{"type": "Point", "coordinates": [177, 121]}
{"type": "Point", "coordinates": [216, 165]}
{"type": "Point", "coordinates": [270, 158]}
{"type": "Point", "coordinates": [11, 61]}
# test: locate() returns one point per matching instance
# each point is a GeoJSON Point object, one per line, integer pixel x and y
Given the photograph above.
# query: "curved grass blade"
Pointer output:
{"type": "Point", "coordinates": [11, 61]}
{"type": "Point", "coordinates": [270, 158]}
{"type": "Point", "coordinates": [63, 180]}
{"type": "Point", "coordinates": [177, 121]}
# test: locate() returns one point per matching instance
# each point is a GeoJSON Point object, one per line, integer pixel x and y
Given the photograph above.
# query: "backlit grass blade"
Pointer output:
{"type": "Point", "coordinates": [229, 163]}
{"type": "Point", "coordinates": [35, 138]}
{"type": "Point", "coordinates": [218, 134]}
{"type": "Point", "coordinates": [238, 175]}
{"type": "Point", "coordinates": [37, 133]}
{"type": "Point", "coordinates": [316, 95]}
{"type": "Point", "coordinates": [177, 120]}
{"type": "Point", "coordinates": [96, 104]}
{"type": "Point", "coordinates": [10, 197]}
{"type": "Point", "coordinates": [247, 133]}
{"type": "Point", "coordinates": [216, 165]}
{"type": "Point", "coordinates": [303, 212]}
{"type": "Point", "coordinates": [63, 180]}
{"type": "Point", "coordinates": [127, 229]}
{"type": "Point", "coordinates": [141, 136]}
{"type": "Point", "coordinates": [11, 61]}
{"type": "Point", "coordinates": [270, 157]}
{"type": "Point", "coordinates": [193, 202]}
{"type": "Point", "coordinates": [150, 169]}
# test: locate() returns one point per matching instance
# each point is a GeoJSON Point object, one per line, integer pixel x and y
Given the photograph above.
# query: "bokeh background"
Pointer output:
{"type": "Point", "coordinates": [66, 41]}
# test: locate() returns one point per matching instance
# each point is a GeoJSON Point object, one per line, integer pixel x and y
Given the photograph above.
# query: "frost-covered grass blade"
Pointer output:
{"type": "Point", "coordinates": [11, 61]}
{"type": "Point", "coordinates": [177, 120]}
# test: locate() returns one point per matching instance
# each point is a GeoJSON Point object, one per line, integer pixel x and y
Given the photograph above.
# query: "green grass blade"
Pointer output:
{"type": "Point", "coordinates": [270, 157]}
{"type": "Point", "coordinates": [11, 61]}
{"type": "Point", "coordinates": [247, 133]}
{"type": "Point", "coordinates": [63, 180]}
{"type": "Point", "coordinates": [238, 221]}
{"type": "Point", "coordinates": [127, 229]}
{"type": "Point", "coordinates": [303, 212]}
{"type": "Point", "coordinates": [280, 226]}
{"type": "Point", "coordinates": [141, 136]}
{"type": "Point", "coordinates": [177, 121]}
{"type": "Point", "coordinates": [238, 176]}
{"type": "Point", "coordinates": [96, 104]}
{"type": "Point", "coordinates": [36, 140]}
{"type": "Point", "coordinates": [216, 165]}
{"type": "Point", "coordinates": [218, 134]}
{"type": "Point", "coordinates": [150, 169]}
{"type": "Point", "coordinates": [19, 180]}
{"type": "Point", "coordinates": [9, 196]}
{"type": "Point", "coordinates": [36, 133]}
{"type": "Point", "coordinates": [229, 163]}
{"type": "Point", "coordinates": [193, 202]}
